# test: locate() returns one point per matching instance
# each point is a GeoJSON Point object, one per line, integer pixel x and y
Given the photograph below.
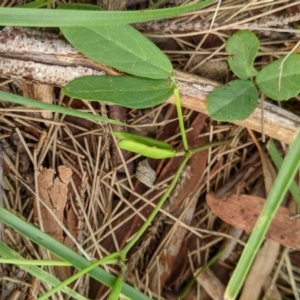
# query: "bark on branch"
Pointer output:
{"type": "Point", "coordinates": [45, 58]}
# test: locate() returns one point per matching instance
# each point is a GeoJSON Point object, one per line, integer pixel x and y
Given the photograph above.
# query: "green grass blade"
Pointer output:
{"type": "Point", "coordinates": [281, 185]}
{"type": "Point", "coordinates": [65, 253]}
{"type": "Point", "coordinates": [77, 275]}
{"type": "Point", "coordinates": [37, 4]}
{"type": "Point", "coordinates": [55, 108]}
{"type": "Point", "coordinates": [80, 6]}
{"type": "Point", "coordinates": [277, 159]}
{"type": "Point", "coordinates": [189, 285]}
{"type": "Point", "coordinates": [57, 18]}
{"type": "Point", "coordinates": [33, 262]}
{"type": "Point", "coordinates": [6, 252]}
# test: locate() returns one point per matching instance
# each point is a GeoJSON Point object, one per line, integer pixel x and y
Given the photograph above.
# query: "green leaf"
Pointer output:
{"type": "Point", "coordinates": [234, 101]}
{"type": "Point", "coordinates": [145, 150]}
{"type": "Point", "coordinates": [128, 91]}
{"type": "Point", "coordinates": [142, 140]}
{"type": "Point", "coordinates": [121, 47]}
{"type": "Point", "coordinates": [280, 80]}
{"type": "Point", "coordinates": [57, 18]}
{"type": "Point", "coordinates": [242, 48]}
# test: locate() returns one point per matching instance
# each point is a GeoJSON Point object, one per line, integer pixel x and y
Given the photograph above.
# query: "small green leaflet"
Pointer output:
{"type": "Point", "coordinates": [142, 140]}
{"type": "Point", "coordinates": [233, 101]}
{"type": "Point", "coordinates": [280, 80]}
{"type": "Point", "coordinates": [146, 150]}
{"type": "Point", "coordinates": [121, 47]}
{"type": "Point", "coordinates": [242, 48]}
{"type": "Point", "coordinates": [128, 91]}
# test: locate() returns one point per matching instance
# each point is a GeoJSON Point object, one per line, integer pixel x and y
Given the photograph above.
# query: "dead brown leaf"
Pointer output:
{"type": "Point", "coordinates": [212, 285]}
{"type": "Point", "coordinates": [242, 211]}
{"type": "Point", "coordinates": [53, 191]}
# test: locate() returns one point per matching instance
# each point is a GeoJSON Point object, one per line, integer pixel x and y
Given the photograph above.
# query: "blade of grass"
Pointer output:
{"type": "Point", "coordinates": [277, 159]}
{"type": "Point", "coordinates": [37, 4]}
{"type": "Point", "coordinates": [65, 253]}
{"type": "Point", "coordinates": [109, 258]}
{"type": "Point", "coordinates": [33, 262]}
{"type": "Point", "coordinates": [55, 108]}
{"type": "Point", "coordinates": [35, 271]}
{"type": "Point", "coordinates": [56, 18]}
{"type": "Point", "coordinates": [281, 185]}
{"type": "Point", "coordinates": [204, 268]}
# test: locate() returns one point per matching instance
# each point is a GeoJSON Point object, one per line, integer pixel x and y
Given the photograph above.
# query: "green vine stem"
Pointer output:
{"type": "Point", "coordinates": [109, 259]}
{"type": "Point", "coordinates": [180, 116]}
{"type": "Point", "coordinates": [116, 290]}
{"type": "Point", "coordinates": [204, 147]}
{"type": "Point", "coordinates": [144, 227]}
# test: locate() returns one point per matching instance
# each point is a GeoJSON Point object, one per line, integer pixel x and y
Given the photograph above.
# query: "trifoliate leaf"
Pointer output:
{"type": "Point", "coordinates": [242, 48]}
{"type": "Point", "coordinates": [280, 80]}
{"type": "Point", "coordinates": [232, 102]}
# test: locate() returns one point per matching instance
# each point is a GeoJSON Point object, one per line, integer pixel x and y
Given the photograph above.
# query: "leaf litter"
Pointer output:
{"type": "Point", "coordinates": [53, 192]}
{"type": "Point", "coordinates": [109, 204]}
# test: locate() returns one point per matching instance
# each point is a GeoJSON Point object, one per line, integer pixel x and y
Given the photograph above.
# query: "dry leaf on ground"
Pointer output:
{"type": "Point", "coordinates": [242, 211]}
{"type": "Point", "coordinates": [53, 191]}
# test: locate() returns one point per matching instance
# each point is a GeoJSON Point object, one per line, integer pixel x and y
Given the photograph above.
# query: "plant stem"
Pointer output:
{"type": "Point", "coordinates": [202, 269]}
{"type": "Point", "coordinates": [204, 147]}
{"type": "Point", "coordinates": [116, 290]}
{"type": "Point", "coordinates": [209, 145]}
{"type": "Point", "coordinates": [180, 116]}
{"type": "Point", "coordinates": [109, 258]}
{"type": "Point", "coordinates": [141, 231]}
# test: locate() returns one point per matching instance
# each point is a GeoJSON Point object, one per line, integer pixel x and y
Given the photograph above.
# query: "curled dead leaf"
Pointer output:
{"type": "Point", "coordinates": [242, 211]}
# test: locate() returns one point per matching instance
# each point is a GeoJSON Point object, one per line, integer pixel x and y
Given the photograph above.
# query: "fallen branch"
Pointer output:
{"type": "Point", "coordinates": [46, 58]}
